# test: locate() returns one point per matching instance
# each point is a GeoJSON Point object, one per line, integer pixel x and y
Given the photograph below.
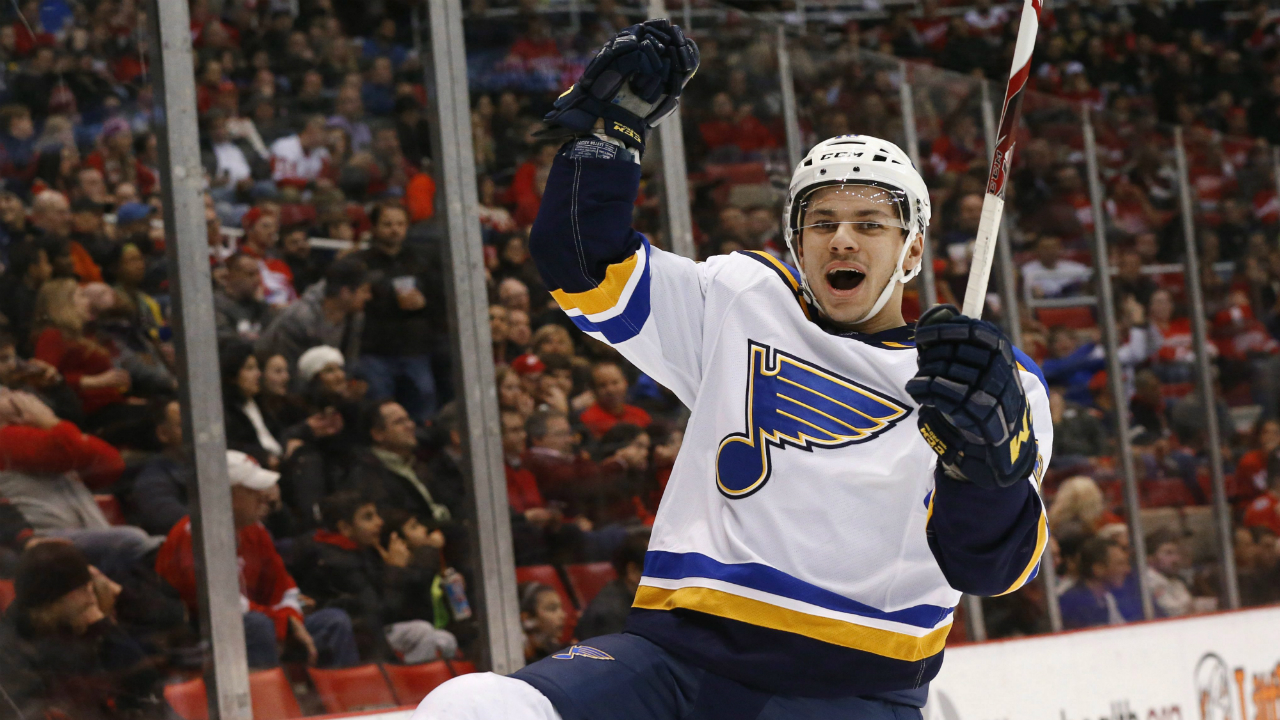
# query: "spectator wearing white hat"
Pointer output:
{"type": "Point", "coordinates": [325, 367]}
{"type": "Point", "coordinates": [268, 595]}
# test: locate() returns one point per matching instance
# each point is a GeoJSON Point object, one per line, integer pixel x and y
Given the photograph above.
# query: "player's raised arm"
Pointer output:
{"type": "Point", "coordinates": [985, 411]}
{"type": "Point", "coordinates": [603, 273]}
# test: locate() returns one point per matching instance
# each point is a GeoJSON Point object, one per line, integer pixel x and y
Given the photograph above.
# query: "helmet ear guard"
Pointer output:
{"type": "Point", "coordinates": [859, 160]}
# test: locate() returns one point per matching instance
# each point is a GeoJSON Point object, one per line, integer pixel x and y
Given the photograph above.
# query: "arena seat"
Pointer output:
{"type": "Point", "coordinates": [351, 689]}
{"type": "Point", "coordinates": [269, 691]}
{"type": "Point", "coordinates": [111, 509]}
{"type": "Point", "coordinates": [272, 696]}
{"type": "Point", "coordinates": [411, 683]}
{"type": "Point", "coordinates": [547, 575]}
{"type": "Point", "coordinates": [1166, 492]}
{"type": "Point", "coordinates": [188, 699]}
{"type": "Point", "coordinates": [589, 578]}
{"type": "Point", "coordinates": [461, 667]}
{"type": "Point", "coordinates": [6, 594]}
{"type": "Point", "coordinates": [1072, 317]}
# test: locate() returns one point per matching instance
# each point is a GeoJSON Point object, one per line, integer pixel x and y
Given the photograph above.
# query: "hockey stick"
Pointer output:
{"type": "Point", "coordinates": [984, 248]}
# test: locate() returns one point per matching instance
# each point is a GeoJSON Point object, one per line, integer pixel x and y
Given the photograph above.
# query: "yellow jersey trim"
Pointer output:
{"type": "Point", "coordinates": [1042, 538]}
{"type": "Point", "coordinates": [885, 643]}
{"type": "Point", "coordinates": [604, 296]}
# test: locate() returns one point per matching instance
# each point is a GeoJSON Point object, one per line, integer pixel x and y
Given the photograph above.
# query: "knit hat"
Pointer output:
{"type": "Point", "coordinates": [318, 358]}
{"type": "Point", "coordinates": [48, 572]}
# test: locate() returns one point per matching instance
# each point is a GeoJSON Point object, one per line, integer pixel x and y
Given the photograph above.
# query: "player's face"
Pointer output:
{"type": "Point", "coordinates": [850, 239]}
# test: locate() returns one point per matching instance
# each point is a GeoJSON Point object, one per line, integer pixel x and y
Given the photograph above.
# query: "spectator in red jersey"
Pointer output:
{"type": "Point", "coordinates": [1251, 470]}
{"type": "Point", "coordinates": [535, 42]}
{"type": "Point", "coordinates": [561, 470]}
{"type": "Point", "coordinates": [1174, 357]}
{"type": "Point", "coordinates": [270, 599]}
{"type": "Point", "coordinates": [1264, 511]}
{"type": "Point", "coordinates": [530, 178]}
{"type": "Point", "coordinates": [1247, 352]}
{"type": "Point", "coordinates": [610, 408]}
{"type": "Point", "coordinates": [540, 531]}
{"type": "Point", "coordinates": [957, 148]}
{"type": "Point", "coordinates": [732, 132]}
{"type": "Point", "coordinates": [931, 27]}
{"type": "Point", "coordinates": [261, 235]}
{"type": "Point", "coordinates": [300, 160]}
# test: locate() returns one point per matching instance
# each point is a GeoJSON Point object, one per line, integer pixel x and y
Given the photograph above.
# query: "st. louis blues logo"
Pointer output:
{"type": "Point", "coordinates": [792, 402]}
{"type": "Point", "coordinates": [582, 651]}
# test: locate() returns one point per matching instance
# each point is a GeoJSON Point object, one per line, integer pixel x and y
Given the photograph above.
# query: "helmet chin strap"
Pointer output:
{"type": "Point", "coordinates": [899, 275]}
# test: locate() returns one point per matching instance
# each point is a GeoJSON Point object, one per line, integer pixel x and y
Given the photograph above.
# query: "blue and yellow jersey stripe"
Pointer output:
{"type": "Point", "coordinates": [617, 308]}
{"type": "Point", "coordinates": [765, 597]}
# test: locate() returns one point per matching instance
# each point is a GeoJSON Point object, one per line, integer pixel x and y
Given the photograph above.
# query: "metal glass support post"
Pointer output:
{"type": "Point", "coordinates": [675, 177]}
{"type": "Point", "coordinates": [906, 98]}
{"type": "Point", "coordinates": [1275, 170]}
{"type": "Point", "coordinates": [1004, 254]}
{"type": "Point", "coordinates": [790, 112]}
{"type": "Point", "coordinates": [472, 344]}
{"type": "Point", "coordinates": [687, 25]}
{"type": "Point", "coordinates": [199, 381]}
{"type": "Point", "coordinates": [1115, 377]}
{"type": "Point", "coordinates": [1199, 335]}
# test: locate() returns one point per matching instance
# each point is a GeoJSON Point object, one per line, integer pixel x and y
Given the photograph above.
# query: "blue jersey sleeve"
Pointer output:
{"type": "Point", "coordinates": [612, 284]}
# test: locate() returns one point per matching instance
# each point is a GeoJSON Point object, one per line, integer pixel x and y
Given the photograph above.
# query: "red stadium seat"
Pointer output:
{"type": "Point", "coordinates": [269, 691]}
{"type": "Point", "coordinates": [272, 696]}
{"type": "Point", "coordinates": [1164, 493]}
{"type": "Point", "coordinates": [110, 507]}
{"type": "Point", "coordinates": [411, 683]}
{"type": "Point", "coordinates": [188, 699]}
{"type": "Point", "coordinates": [352, 689]}
{"type": "Point", "coordinates": [588, 579]}
{"type": "Point", "coordinates": [1072, 317]}
{"type": "Point", "coordinates": [547, 575]}
{"type": "Point", "coordinates": [462, 667]}
{"type": "Point", "coordinates": [6, 594]}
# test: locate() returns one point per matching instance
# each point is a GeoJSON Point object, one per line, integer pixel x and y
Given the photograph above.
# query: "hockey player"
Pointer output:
{"type": "Point", "coordinates": [845, 476]}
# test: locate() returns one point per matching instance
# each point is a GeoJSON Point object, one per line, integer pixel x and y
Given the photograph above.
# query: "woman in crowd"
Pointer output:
{"type": "Point", "coordinates": [275, 399]}
{"type": "Point", "coordinates": [62, 311]}
{"type": "Point", "coordinates": [511, 393]}
{"type": "Point", "coordinates": [1080, 499]}
{"type": "Point", "coordinates": [249, 430]}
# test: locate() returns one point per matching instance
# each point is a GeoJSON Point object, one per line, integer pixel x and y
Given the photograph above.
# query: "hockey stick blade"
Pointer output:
{"type": "Point", "coordinates": [984, 248]}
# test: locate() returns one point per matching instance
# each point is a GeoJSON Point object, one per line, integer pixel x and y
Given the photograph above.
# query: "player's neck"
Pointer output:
{"type": "Point", "coordinates": [887, 319]}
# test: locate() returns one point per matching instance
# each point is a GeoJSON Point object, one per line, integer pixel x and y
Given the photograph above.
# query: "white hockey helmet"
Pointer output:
{"type": "Point", "coordinates": [859, 160]}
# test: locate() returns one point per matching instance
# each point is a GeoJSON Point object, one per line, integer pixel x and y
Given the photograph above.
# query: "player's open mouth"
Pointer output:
{"type": "Point", "coordinates": [845, 279]}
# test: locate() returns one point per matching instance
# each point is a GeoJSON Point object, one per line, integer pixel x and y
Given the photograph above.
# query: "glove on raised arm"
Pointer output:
{"type": "Point", "coordinates": [631, 84]}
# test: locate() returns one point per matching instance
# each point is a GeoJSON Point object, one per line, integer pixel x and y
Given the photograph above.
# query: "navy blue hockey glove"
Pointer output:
{"type": "Point", "coordinates": [973, 411]}
{"type": "Point", "coordinates": [632, 84]}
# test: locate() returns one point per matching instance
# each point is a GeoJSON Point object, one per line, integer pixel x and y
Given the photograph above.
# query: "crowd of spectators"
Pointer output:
{"type": "Point", "coordinates": [345, 446]}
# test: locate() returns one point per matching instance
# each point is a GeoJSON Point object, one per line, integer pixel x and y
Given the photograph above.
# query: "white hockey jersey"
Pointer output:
{"type": "Point", "coordinates": [803, 544]}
